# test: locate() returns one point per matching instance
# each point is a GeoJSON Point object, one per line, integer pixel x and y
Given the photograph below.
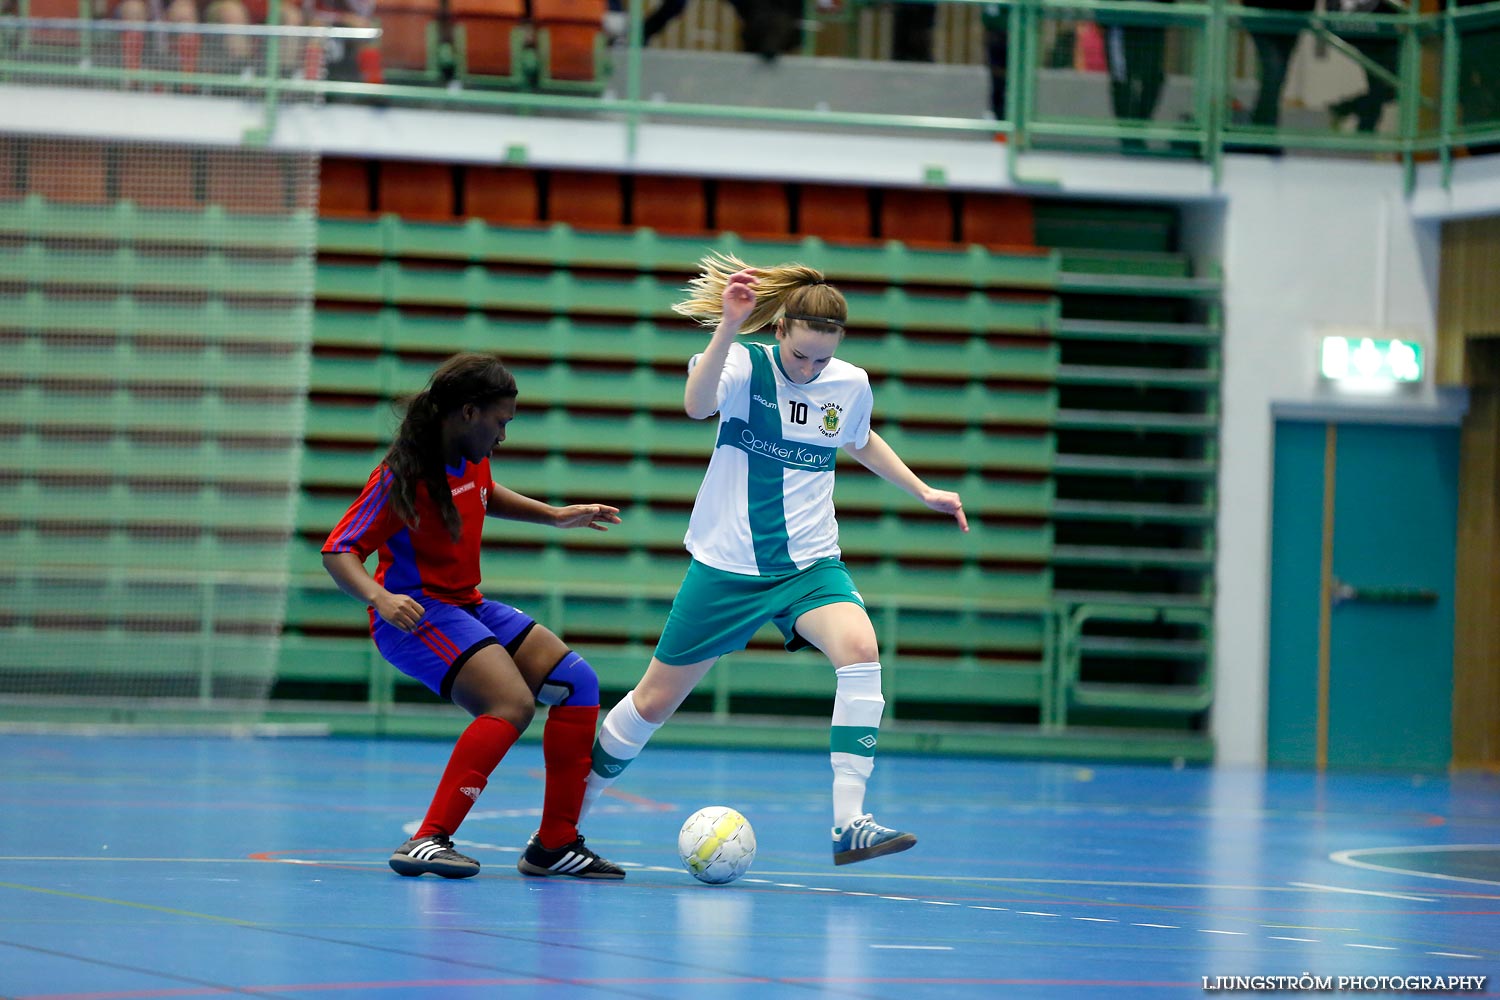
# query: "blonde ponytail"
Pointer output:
{"type": "Point", "coordinates": [786, 289]}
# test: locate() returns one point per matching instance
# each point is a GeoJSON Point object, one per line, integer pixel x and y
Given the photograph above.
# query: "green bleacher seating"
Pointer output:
{"type": "Point", "coordinates": [992, 375]}
{"type": "Point", "coordinates": [125, 223]}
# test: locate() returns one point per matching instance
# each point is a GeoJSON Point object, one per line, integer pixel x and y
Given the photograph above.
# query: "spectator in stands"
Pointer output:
{"type": "Point", "coordinates": [767, 27]}
{"type": "Point", "coordinates": [762, 533]}
{"type": "Point", "coordinates": [239, 50]}
{"type": "Point", "coordinates": [912, 27]}
{"type": "Point", "coordinates": [184, 47]}
{"type": "Point", "coordinates": [1136, 54]}
{"type": "Point", "coordinates": [912, 41]}
{"type": "Point", "coordinates": [996, 21]}
{"type": "Point", "coordinates": [1479, 75]}
{"type": "Point", "coordinates": [1273, 51]}
{"type": "Point", "coordinates": [1381, 46]}
{"type": "Point", "coordinates": [665, 13]}
{"type": "Point", "coordinates": [357, 61]}
{"type": "Point", "coordinates": [423, 511]}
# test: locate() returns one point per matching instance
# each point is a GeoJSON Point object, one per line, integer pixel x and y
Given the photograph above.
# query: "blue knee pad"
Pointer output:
{"type": "Point", "coordinates": [571, 682]}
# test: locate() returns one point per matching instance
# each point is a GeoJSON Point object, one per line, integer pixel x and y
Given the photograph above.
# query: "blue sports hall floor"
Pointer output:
{"type": "Point", "coordinates": [140, 867]}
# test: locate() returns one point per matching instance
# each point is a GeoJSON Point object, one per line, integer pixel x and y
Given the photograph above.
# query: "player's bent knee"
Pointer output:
{"type": "Point", "coordinates": [571, 682]}
{"type": "Point", "coordinates": [519, 716]}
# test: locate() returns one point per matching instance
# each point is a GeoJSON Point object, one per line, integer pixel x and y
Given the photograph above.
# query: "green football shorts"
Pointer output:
{"type": "Point", "coordinates": [716, 612]}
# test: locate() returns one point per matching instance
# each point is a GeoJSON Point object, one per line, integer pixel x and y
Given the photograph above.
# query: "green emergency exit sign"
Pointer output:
{"type": "Point", "coordinates": [1369, 360]}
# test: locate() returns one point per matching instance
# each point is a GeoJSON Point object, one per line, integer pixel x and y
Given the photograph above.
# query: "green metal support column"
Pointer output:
{"type": "Point", "coordinates": [1448, 97]}
{"type": "Point", "coordinates": [633, 79]}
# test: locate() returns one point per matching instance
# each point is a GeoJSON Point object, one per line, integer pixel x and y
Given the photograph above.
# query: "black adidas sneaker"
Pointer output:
{"type": "Point", "coordinates": [435, 855]}
{"type": "Point", "coordinates": [571, 859]}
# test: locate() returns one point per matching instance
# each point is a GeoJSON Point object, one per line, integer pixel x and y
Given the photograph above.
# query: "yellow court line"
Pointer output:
{"type": "Point", "coordinates": [125, 902]}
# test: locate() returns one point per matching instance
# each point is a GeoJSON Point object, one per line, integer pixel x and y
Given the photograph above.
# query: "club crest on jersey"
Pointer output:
{"type": "Point", "coordinates": [833, 418]}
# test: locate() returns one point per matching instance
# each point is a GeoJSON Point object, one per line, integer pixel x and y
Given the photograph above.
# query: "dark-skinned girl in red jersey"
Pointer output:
{"type": "Point", "coordinates": [423, 511]}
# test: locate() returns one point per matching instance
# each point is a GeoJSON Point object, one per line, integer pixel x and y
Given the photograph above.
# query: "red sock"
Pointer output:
{"type": "Point", "coordinates": [478, 750]}
{"type": "Point", "coordinates": [568, 749]}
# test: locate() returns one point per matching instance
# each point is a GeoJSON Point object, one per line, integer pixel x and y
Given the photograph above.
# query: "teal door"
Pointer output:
{"type": "Point", "coordinates": [1362, 557]}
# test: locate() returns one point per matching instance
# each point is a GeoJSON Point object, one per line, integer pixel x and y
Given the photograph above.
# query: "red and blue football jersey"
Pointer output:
{"type": "Point", "coordinates": [421, 561]}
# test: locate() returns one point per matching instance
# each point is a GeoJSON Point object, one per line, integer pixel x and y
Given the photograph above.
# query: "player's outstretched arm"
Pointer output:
{"type": "Point", "coordinates": [881, 459]}
{"type": "Point", "coordinates": [513, 506]}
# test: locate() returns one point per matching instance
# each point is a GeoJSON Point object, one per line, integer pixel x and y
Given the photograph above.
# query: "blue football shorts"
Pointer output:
{"type": "Point", "coordinates": [447, 636]}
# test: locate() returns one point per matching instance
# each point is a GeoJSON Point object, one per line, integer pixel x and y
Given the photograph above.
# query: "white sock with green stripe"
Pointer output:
{"type": "Point", "coordinates": [857, 705]}
{"type": "Point", "coordinates": [621, 739]}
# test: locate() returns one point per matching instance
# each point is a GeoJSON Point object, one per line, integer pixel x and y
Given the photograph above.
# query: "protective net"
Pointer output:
{"type": "Point", "coordinates": [155, 317]}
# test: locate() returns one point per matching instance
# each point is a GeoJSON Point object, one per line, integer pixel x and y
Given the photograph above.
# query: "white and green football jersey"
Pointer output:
{"type": "Point", "coordinates": [766, 504]}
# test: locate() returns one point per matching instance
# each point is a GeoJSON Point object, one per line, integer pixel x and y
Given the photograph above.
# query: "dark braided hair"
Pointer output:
{"type": "Point", "coordinates": [416, 455]}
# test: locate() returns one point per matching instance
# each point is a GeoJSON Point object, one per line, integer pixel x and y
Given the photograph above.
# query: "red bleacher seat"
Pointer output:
{"type": "Point", "coordinates": [575, 11]}
{"type": "Point", "coordinates": [161, 177]}
{"type": "Point", "coordinates": [834, 213]}
{"type": "Point", "coordinates": [10, 169]}
{"type": "Point", "coordinates": [403, 25]}
{"type": "Point", "coordinates": [567, 37]}
{"type": "Point", "coordinates": [502, 196]}
{"type": "Point", "coordinates": [997, 220]}
{"type": "Point", "coordinates": [916, 215]}
{"type": "Point", "coordinates": [670, 204]}
{"type": "Point", "coordinates": [586, 200]}
{"type": "Point", "coordinates": [487, 28]}
{"type": "Point", "coordinates": [418, 191]}
{"type": "Point", "coordinates": [753, 208]}
{"type": "Point", "coordinates": [344, 187]}
{"type": "Point", "coordinates": [255, 183]}
{"type": "Point", "coordinates": [66, 170]}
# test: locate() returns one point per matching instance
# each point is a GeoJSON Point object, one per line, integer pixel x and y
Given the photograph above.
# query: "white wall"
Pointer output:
{"type": "Point", "coordinates": [1305, 243]}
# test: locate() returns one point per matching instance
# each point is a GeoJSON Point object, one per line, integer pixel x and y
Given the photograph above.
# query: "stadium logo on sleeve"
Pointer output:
{"type": "Point", "coordinates": [832, 420]}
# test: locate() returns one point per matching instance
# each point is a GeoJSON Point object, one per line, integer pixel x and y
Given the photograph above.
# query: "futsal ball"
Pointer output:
{"type": "Point", "coordinates": [717, 845]}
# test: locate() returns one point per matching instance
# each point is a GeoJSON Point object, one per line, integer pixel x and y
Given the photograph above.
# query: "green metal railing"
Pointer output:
{"type": "Point", "coordinates": [1440, 55]}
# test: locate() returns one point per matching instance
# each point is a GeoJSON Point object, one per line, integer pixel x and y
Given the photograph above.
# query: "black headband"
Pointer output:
{"type": "Point", "coordinates": [826, 321]}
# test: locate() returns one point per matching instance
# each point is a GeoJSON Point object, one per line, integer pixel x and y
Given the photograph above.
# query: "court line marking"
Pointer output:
{"type": "Point", "coordinates": [1362, 892]}
{"type": "Point", "coordinates": [262, 858]}
{"type": "Point", "coordinates": [236, 921]}
{"type": "Point", "coordinates": [1293, 887]}
{"type": "Point", "coordinates": [252, 924]}
{"type": "Point", "coordinates": [1349, 858]}
{"type": "Point", "coordinates": [913, 947]}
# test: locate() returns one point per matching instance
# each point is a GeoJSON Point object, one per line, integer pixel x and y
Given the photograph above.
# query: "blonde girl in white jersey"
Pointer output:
{"type": "Point", "coordinates": [763, 536]}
